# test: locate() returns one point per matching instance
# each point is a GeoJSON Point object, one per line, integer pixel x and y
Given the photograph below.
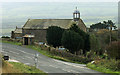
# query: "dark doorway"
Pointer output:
{"type": "Point", "coordinates": [26, 41]}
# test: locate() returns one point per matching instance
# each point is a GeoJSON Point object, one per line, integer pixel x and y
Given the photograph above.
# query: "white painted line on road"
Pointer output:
{"type": "Point", "coordinates": [22, 51]}
{"type": "Point", "coordinates": [66, 70]}
{"type": "Point", "coordinates": [69, 64]}
{"type": "Point", "coordinates": [29, 57]}
{"type": "Point", "coordinates": [13, 52]}
{"type": "Point", "coordinates": [25, 52]}
{"type": "Point", "coordinates": [53, 66]}
{"type": "Point", "coordinates": [27, 63]}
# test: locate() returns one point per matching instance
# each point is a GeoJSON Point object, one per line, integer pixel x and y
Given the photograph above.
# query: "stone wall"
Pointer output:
{"type": "Point", "coordinates": [82, 26]}
{"type": "Point", "coordinates": [16, 35]}
{"type": "Point", "coordinates": [40, 34]}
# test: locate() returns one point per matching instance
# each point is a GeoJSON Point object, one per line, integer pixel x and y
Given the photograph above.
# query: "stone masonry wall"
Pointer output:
{"type": "Point", "coordinates": [40, 34]}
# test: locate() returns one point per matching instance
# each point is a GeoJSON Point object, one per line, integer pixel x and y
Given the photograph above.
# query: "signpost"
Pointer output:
{"type": "Point", "coordinates": [36, 60]}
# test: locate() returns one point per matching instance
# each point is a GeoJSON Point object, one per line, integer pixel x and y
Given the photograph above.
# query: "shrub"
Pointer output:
{"type": "Point", "coordinates": [72, 41]}
{"type": "Point", "coordinates": [113, 50]}
{"type": "Point", "coordinates": [54, 35]}
{"type": "Point", "coordinates": [68, 56]}
{"type": "Point", "coordinates": [71, 57]}
{"type": "Point", "coordinates": [94, 43]}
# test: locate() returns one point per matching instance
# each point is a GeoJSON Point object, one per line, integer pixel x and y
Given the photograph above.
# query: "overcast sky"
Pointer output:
{"type": "Point", "coordinates": [59, 0]}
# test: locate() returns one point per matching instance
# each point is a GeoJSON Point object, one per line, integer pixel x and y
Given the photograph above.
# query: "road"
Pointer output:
{"type": "Point", "coordinates": [46, 64]}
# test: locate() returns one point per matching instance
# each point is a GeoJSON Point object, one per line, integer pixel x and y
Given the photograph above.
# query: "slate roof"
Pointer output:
{"type": "Point", "coordinates": [45, 23]}
{"type": "Point", "coordinates": [18, 30]}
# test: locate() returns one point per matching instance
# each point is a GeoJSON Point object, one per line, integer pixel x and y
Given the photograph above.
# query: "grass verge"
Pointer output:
{"type": "Point", "coordinates": [14, 43]}
{"type": "Point", "coordinates": [102, 69]}
{"type": "Point", "coordinates": [25, 68]}
{"type": "Point", "coordinates": [19, 68]}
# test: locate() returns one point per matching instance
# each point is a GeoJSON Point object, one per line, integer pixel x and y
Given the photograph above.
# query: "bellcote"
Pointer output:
{"type": "Point", "coordinates": [76, 15]}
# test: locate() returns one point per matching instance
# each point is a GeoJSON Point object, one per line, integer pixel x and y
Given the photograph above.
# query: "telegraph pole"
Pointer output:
{"type": "Point", "coordinates": [110, 33]}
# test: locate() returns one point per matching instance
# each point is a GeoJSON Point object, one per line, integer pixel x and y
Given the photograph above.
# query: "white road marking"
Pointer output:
{"type": "Point", "coordinates": [53, 66]}
{"type": "Point", "coordinates": [27, 63]}
{"type": "Point", "coordinates": [13, 52]}
{"type": "Point", "coordinates": [25, 52]}
{"type": "Point", "coordinates": [69, 64]}
{"type": "Point", "coordinates": [29, 57]}
{"type": "Point", "coordinates": [68, 71]}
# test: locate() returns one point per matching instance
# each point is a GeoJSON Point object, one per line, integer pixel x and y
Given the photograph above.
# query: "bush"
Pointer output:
{"type": "Point", "coordinates": [113, 50]}
{"type": "Point", "coordinates": [67, 55]}
{"type": "Point", "coordinates": [71, 57]}
{"type": "Point", "coordinates": [72, 41]}
{"type": "Point", "coordinates": [54, 35]}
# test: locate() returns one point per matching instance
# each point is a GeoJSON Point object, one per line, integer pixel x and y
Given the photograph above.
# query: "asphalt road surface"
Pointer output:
{"type": "Point", "coordinates": [46, 64]}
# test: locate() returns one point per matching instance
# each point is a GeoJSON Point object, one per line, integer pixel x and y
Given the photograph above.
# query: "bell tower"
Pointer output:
{"type": "Point", "coordinates": [76, 15]}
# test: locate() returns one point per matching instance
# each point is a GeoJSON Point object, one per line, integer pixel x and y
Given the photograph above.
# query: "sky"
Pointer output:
{"type": "Point", "coordinates": [59, 0]}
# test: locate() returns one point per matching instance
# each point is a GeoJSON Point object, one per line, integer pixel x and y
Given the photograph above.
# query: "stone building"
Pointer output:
{"type": "Point", "coordinates": [17, 33]}
{"type": "Point", "coordinates": [38, 27]}
{"type": "Point", "coordinates": [35, 29]}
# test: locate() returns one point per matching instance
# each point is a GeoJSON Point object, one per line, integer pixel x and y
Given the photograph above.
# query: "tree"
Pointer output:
{"type": "Point", "coordinates": [94, 43]}
{"type": "Point", "coordinates": [104, 25]}
{"type": "Point", "coordinates": [75, 28]}
{"type": "Point", "coordinates": [54, 35]}
{"type": "Point", "coordinates": [72, 41]}
{"type": "Point", "coordinates": [111, 24]}
{"type": "Point", "coordinates": [84, 35]}
{"type": "Point", "coordinates": [87, 43]}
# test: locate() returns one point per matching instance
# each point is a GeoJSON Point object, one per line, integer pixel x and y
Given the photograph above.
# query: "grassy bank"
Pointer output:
{"type": "Point", "coordinates": [14, 67]}
{"type": "Point", "coordinates": [105, 67]}
{"type": "Point", "coordinates": [10, 42]}
{"type": "Point", "coordinates": [25, 68]}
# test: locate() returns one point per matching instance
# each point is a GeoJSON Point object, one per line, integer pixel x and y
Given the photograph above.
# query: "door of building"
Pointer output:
{"type": "Point", "coordinates": [26, 41]}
